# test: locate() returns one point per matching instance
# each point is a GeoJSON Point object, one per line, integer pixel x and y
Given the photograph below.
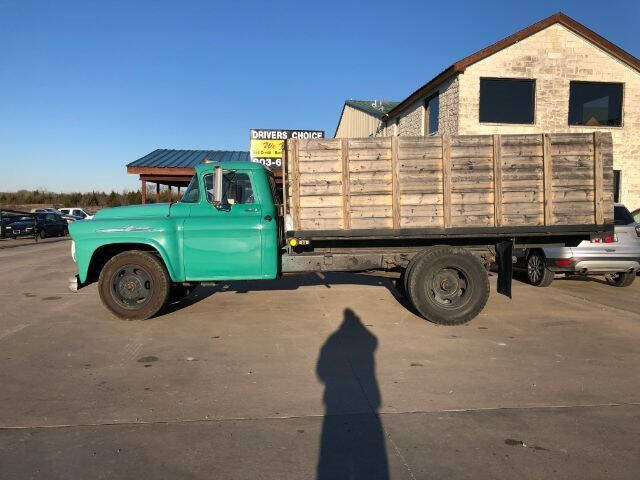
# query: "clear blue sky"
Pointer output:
{"type": "Point", "coordinates": [88, 86]}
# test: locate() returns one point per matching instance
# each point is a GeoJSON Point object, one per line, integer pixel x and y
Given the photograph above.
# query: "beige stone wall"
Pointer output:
{"type": "Point", "coordinates": [554, 57]}
{"type": "Point", "coordinates": [411, 119]}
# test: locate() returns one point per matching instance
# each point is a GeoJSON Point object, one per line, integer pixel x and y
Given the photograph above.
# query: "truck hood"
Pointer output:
{"type": "Point", "coordinates": [135, 211]}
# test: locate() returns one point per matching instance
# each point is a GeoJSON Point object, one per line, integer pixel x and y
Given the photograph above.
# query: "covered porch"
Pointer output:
{"type": "Point", "coordinates": [173, 169]}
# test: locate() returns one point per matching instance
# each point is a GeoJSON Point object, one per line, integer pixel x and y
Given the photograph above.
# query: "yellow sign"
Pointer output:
{"type": "Point", "coordinates": [266, 148]}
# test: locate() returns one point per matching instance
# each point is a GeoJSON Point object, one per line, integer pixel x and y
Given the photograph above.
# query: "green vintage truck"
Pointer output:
{"type": "Point", "coordinates": [351, 205]}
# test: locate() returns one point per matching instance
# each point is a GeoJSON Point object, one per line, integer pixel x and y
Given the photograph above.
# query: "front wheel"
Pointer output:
{"type": "Point", "coordinates": [134, 285]}
{"type": "Point", "coordinates": [622, 279]}
{"type": "Point", "coordinates": [43, 234]}
{"type": "Point", "coordinates": [537, 272]}
{"type": "Point", "coordinates": [448, 285]}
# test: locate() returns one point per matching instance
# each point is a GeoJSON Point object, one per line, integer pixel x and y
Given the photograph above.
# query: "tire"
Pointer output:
{"type": "Point", "coordinates": [43, 234]}
{"type": "Point", "coordinates": [448, 285]}
{"type": "Point", "coordinates": [65, 232]}
{"type": "Point", "coordinates": [622, 279]}
{"type": "Point", "coordinates": [134, 285]}
{"type": "Point", "coordinates": [538, 274]}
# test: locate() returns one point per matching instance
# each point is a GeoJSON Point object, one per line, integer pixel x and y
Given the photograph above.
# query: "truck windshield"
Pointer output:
{"type": "Point", "coordinates": [192, 194]}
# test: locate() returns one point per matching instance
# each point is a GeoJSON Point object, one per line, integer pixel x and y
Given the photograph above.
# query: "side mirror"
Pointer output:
{"type": "Point", "coordinates": [217, 186]}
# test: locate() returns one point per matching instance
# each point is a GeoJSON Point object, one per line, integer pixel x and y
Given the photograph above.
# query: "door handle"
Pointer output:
{"type": "Point", "coordinates": [253, 210]}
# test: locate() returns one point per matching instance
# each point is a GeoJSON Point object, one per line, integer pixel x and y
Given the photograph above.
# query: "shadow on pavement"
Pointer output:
{"type": "Point", "coordinates": [291, 282]}
{"type": "Point", "coordinates": [352, 446]}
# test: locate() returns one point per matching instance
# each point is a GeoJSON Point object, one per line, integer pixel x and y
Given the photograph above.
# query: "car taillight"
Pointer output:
{"type": "Point", "coordinates": [563, 263]}
{"type": "Point", "coordinates": [610, 239]}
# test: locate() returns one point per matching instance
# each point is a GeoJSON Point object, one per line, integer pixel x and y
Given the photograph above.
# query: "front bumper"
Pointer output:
{"type": "Point", "coordinates": [75, 284]}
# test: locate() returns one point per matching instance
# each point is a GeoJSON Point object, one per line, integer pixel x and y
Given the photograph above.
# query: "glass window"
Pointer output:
{"type": "Point", "coordinates": [621, 216]}
{"type": "Point", "coordinates": [236, 188]}
{"type": "Point", "coordinates": [505, 100]}
{"type": "Point", "coordinates": [595, 104]}
{"type": "Point", "coordinates": [79, 213]}
{"type": "Point", "coordinates": [192, 194]}
{"type": "Point", "coordinates": [432, 112]}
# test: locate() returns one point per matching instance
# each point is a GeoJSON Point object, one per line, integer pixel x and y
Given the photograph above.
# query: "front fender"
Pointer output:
{"type": "Point", "coordinates": [162, 235]}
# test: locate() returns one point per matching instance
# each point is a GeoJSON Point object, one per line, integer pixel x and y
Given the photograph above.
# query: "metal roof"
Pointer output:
{"type": "Point", "coordinates": [187, 158]}
{"type": "Point", "coordinates": [369, 106]}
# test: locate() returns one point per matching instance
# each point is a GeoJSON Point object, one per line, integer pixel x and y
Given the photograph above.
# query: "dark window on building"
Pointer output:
{"type": "Point", "coordinates": [595, 104]}
{"type": "Point", "coordinates": [432, 112]}
{"type": "Point", "coordinates": [616, 185]}
{"type": "Point", "coordinates": [505, 100]}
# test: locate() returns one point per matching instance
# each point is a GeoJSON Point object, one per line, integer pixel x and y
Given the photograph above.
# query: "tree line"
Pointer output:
{"type": "Point", "coordinates": [80, 199]}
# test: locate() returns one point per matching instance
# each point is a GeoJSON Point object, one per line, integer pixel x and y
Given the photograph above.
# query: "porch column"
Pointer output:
{"type": "Point", "coordinates": [157, 193]}
{"type": "Point", "coordinates": [169, 192]}
{"type": "Point", "coordinates": [144, 191]}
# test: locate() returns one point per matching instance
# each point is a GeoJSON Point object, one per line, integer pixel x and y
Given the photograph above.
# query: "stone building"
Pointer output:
{"type": "Point", "coordinates": [554, 76]}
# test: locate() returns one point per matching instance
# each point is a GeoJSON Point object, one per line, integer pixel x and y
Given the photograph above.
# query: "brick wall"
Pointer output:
{"type": "Point", "coordinates": [554, 57]}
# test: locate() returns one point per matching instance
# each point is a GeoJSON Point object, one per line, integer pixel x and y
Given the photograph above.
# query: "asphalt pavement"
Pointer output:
{"type": "Point", "coordinates": [314, 378]}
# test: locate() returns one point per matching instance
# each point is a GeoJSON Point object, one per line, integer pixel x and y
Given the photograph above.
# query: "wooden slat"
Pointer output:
{"type": "Point", "coordinates": [346, 190]}
{"type": "Point", "coordinates": [295, 185]}
{"type": "Point", "coordinates": [547, 167]}
{"type": "Point", "coordinates": [598, 178]}
{"type": "Point", "coordinates": [497, 181]}
{"type": "Point", "coordinates": [395, 183]}
{"type": "Point", "coordinates": [446, 180]}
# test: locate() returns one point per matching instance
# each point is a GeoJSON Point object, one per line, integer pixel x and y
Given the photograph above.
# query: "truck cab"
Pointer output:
{"type": "Point", "coordinates": [219, 230]}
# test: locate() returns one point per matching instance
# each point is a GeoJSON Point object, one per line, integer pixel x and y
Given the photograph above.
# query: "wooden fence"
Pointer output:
{"type": "Point", "coordinates": [450, 181]}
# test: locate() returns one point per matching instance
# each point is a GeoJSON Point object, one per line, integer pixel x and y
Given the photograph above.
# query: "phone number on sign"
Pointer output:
{"type": "Point", "coordinates": [268, 162]}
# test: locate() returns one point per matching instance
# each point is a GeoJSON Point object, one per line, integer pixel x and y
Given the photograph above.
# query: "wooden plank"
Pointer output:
{"type": "Point", "coordinates": [395, 183]}
{"type": "Point", "coordinates": [598, 180]}
{"type": "Point", "coordinates": [497, 181]}
{"type": "Point", "coordinates": [446, 180]}
{"type": "Point", "coordinates": [547, 168]}
{"type": "Point", "coordinates": [346, 201]}
{"type": "Point", "coordinates": [295, 185]}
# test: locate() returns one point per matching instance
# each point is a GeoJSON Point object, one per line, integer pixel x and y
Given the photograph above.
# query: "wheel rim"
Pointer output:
{"type": "Point", "coordinates": [131, 286]}
{"type": "Point", "coordinates": [449, 288]}
{"type": "Point", "coordinates": [535, 268]}
{"type": "Point", "coordinates": [614, 277]}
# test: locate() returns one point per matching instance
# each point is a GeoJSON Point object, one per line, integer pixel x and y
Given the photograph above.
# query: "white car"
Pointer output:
{"type": "Point", "coordinates": [78, 212]}
{"type": "Point", "coordinates": [616, 256]}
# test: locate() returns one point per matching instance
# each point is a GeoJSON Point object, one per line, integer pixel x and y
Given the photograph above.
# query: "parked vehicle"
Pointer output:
{"type": "Point", "coordinates": [81, 213]}
{"type": "Point", "coordinates": [616, 256]}
{"type": "Point", "coordinates": [22, 227]}
{"type": "Point", "coordinates": [46, 210]}
{"type": "Point", "coordinates": [229, 224]}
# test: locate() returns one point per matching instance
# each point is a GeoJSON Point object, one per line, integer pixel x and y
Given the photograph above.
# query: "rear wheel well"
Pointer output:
{"type": "Point", "coordinates": [102, 255]}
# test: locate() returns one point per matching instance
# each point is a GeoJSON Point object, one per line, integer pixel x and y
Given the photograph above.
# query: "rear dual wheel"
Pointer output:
{"type": "Point", "coordinates": [447, 285]}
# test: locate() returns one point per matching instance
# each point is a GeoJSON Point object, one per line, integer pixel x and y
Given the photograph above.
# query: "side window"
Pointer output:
{"type": "Point", "coordinates": [49, 217]}
{"type": "Point", "coordinates": [79, 213]}
{"type": "Point", "coordinates": [192, 194]}
{"type": "Point", "coordinates": [236, 188]}
{"type": "Point", "coordinates": [432, 111]}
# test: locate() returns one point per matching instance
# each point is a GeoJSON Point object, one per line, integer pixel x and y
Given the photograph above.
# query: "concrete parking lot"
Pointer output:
{"type": "Point", "coordinates": [310, 377]}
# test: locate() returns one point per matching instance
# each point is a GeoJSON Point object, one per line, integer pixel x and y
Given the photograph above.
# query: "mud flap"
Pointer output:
{"type": "Point", "coordinates": [504, 260]}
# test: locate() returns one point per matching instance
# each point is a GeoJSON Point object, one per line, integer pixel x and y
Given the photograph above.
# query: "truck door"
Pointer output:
{"type": "Point", "coordinates": [224, 243]}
